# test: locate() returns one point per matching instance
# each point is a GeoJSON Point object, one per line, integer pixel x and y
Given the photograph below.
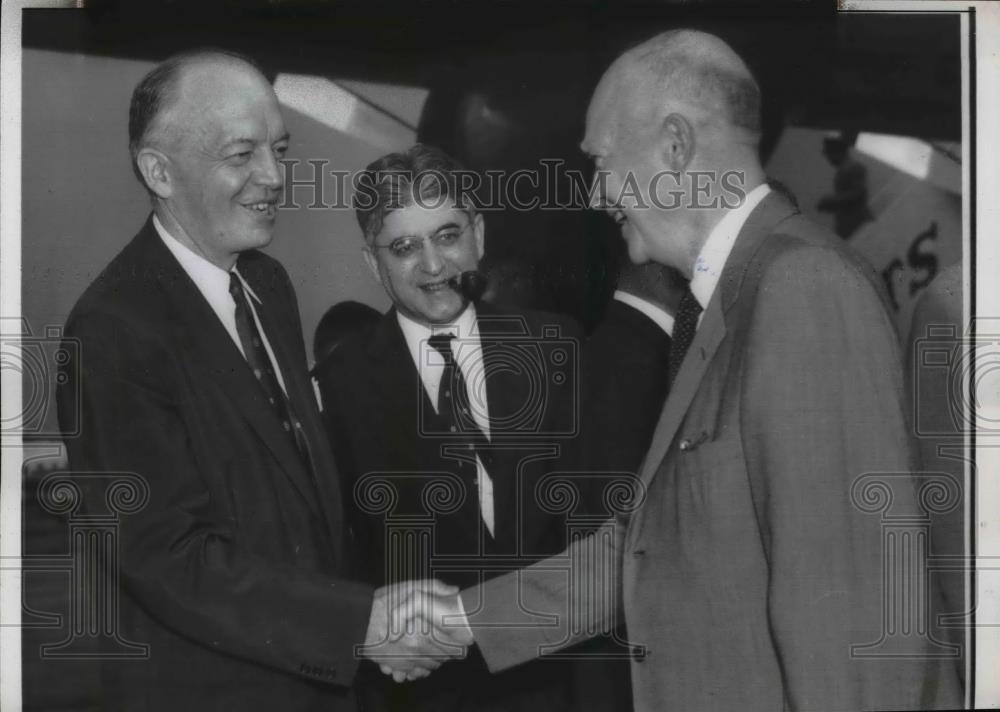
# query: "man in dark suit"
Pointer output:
{"type": "Point", "coordinates": [624, 387]}
{"type": "Point", "coordinates": [192, 381]}
{"type": "Point", "coordinates": [750, 570]}
{"type": "Point", "coordinates": [456, 410]}
{"type": "Point", "coordinates": [625, 368]}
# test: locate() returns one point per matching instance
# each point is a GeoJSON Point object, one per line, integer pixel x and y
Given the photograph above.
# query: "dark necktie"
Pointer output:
{"type": "Point", "coordinates": [263, 369]}
{"type": "Point", "coordinates": [455, 410]}
{"type": "Point", "coordinates": [685, 324]}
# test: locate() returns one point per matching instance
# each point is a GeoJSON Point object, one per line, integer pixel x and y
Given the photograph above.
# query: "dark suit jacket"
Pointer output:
{"type": "Point", "coordinates": [400, 477]}
{"type": "Point", "coordinates": [751, 567]}
{"type": "Point", "coordinates": [625, 385]}
{"type": "Point", "coordinates": [232, 572]}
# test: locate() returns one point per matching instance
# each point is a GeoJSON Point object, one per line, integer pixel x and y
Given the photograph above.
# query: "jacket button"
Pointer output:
{"type": "Point", "coordinates": [685, 445]}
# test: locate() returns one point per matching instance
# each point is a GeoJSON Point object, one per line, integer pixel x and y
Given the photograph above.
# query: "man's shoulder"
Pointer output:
{"type": "Point", "coordinates": [795, 244]}
{"type": "Point", "coordinates": [802, 263]}
{"type": "Point", "coordinates": [359, 355]}
{"type": "Point", "coordinates": [801, 244]}
{"type": "Point", "coordinates": [130, 286]}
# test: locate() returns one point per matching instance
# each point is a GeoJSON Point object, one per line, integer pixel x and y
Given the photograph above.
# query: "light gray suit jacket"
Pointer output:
{"type": "Point", "coordinates": [750, 572]}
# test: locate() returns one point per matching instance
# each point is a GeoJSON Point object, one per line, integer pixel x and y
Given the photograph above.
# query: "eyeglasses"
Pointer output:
{"type": "Point", "coordinates": [409, 246]}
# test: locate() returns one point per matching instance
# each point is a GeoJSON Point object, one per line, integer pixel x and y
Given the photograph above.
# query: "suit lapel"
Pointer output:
{"type": "Point", "coordinates": [199, 331]}
{"type": "Point", "coordinates": [761, 222]}
{"type": "Point", "coordinates": [706, 342]}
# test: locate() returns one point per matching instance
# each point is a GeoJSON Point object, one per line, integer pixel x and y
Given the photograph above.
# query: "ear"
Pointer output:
{"type": "Point", "coordinates": [479, 229]}
{"type": "Point", "coordinates": [372, 262]}
{"type": "Point", "coordinates": [153, 166]}
{"type": "Point", "coordinates": [678, 142]}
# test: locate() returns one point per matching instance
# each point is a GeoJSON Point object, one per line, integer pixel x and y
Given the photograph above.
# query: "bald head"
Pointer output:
{"type": "Point", "coordinates": [186, 78]}
{"type": "Point", "coordinates": [694, 73]}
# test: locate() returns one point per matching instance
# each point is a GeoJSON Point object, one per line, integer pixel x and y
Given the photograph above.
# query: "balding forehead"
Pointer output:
{"type": "Point", "coordinates": [625, 94]}
{"type": "Point", "coordinates": [203, 76]}
{"type": "Point", "coordinates": [690, 68]}
{"type": "Point", "coordinates": [208, 93]}
{"type": "Point", "coordinates": [604, 114]}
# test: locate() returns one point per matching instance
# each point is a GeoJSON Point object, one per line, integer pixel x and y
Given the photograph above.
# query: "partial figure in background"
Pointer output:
{"type": "Point", "coordinates": [939, 329]}
{"type": "Point", "coordinates": [849, 200]}
{"type": "Point", "coordinates": [626, 367]}
{"type": "Point", "coordinates": [625, 370]}
{"type": "Point", "coordinates": [339, 324]}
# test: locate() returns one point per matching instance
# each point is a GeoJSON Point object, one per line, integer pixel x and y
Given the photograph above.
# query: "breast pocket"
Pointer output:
{"type": "Point", "coordinates": [710, 472]}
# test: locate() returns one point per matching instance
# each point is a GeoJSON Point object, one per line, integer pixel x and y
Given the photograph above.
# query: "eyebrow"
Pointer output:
{"type": "Point", "coordinates": [446, 226]}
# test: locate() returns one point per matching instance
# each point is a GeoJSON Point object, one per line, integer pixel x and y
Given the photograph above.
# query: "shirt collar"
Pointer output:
{"type": "Point", "coordinates": [714, 253]}
{"type": "Point", "coordinates": [416, 333]}
{"type": "Point", "coordinates": [659, 316]}
{"type": "Point", "coordinates": [211, 280]}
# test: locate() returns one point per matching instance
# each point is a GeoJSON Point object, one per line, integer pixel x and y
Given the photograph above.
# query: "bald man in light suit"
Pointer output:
{"type": "Point", "coordinates": [746, 572]}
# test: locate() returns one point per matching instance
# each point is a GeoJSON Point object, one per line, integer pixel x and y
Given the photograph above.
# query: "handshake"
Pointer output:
{"type": "Point", "coordinates": [414, 627]}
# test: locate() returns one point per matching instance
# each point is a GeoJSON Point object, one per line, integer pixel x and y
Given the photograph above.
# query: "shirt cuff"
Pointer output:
{"type": "Point", "coordinates": [659, 315]}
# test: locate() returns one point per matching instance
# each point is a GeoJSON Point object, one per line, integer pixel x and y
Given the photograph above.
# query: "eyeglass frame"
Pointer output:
{"type": "Point", "coordinates": [422, 240]}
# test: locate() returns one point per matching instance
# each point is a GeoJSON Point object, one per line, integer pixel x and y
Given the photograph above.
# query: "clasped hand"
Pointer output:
{"type": "Point", "coordinates": [414, 627]}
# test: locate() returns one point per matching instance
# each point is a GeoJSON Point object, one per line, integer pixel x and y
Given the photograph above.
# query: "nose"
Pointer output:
{"type": "Point", "coordinates": [430, 260]}
{"type": "Point", "coordinates": [269, 171]}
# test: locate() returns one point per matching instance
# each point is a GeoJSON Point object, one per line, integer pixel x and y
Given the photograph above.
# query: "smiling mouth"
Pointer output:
{"type": "Point", "coordinates": [435, 287]}
{"type": "Point", "coordinates": [264, 208]}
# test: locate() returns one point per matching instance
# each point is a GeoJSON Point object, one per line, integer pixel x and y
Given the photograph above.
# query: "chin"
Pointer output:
{"type": "Point", "coordinates": [636, 254]}
{"type": "Point", "coordinates": [444, 314]}
{"type": "Point", "coordinates": [261, 238]}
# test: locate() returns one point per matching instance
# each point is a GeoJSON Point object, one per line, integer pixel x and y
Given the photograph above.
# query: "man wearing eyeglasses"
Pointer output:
{"type": "Point", "coordinates": [452, 412]}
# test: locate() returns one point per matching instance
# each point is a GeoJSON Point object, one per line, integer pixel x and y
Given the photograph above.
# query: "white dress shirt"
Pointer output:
{"type": "Point", "coordinates": [711, 260]}
{"type": "Point", "coordinates": [468, 352]}
{"type": "Point", "coordinates": [213, 283]}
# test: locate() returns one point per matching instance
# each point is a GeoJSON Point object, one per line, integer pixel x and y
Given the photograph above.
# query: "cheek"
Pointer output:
{"type": "Point", "coordinates": [394, 278]}
{"type": "Point", "coordinates": [225, 188]}
{"type": "Point", "coordinates": [466, 255]}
